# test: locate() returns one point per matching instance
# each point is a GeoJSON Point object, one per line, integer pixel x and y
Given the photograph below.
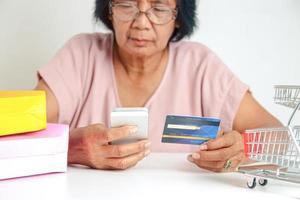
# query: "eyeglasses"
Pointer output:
{"type": "Point", "coordinates": [128, 11]}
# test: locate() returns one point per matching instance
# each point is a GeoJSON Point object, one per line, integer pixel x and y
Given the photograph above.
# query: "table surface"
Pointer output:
{"type": "Point", "coordinates": [160, 175]}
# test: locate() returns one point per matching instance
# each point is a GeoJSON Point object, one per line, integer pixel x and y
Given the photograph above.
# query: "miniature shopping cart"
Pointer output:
{"type": "Point", "coordinates": [276, 150]}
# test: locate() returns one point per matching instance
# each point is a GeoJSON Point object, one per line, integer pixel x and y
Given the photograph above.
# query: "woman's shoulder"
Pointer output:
{"type": "Point", "coordinates": [192, 50]}
{"type": "Point", "coordinates": [196, 56]}
{"type": "Point", "coordinates": [87, 40]}
{"type": "Point", "coordinates": [84, 53]}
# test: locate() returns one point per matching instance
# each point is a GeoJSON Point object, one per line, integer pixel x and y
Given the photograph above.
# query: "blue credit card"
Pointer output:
{"type": "Point", "coordinates": [190, 129]}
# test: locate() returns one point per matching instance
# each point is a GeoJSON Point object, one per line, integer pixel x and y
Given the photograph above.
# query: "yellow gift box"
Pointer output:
{"type": "Point", "coordinates": [22, 111]}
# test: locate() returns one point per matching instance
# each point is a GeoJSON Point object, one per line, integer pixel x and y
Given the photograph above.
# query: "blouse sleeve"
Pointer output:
{"type": "Point", "coordinates": [222, 92]}
{"type": "Point", "coordinates": [64, 75]}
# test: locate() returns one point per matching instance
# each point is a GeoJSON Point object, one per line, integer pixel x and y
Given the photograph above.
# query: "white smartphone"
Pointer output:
{"type": "Point", "coordinates": [137, 116]}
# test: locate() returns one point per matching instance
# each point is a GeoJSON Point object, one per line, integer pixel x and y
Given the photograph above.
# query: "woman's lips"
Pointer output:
{"type": "Point", "coordinates": [140, 42]}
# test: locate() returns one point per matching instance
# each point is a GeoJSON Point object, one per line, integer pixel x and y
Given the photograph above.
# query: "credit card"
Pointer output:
{"type": "Point", "coordinates": [190, 129]}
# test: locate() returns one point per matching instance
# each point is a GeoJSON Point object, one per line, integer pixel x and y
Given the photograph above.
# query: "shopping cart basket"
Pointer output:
{"type": "Point", "coordinates": [276, 149]}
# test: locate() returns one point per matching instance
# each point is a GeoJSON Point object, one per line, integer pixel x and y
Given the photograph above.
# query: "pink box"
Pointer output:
{"type": "Point", "coordinates": [34, 153]}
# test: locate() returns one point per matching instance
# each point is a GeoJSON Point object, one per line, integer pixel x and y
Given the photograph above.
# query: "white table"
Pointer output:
{"type": "Point", "coordinates": [163, 176]}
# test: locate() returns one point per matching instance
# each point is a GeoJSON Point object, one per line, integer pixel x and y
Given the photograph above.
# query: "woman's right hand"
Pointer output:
{"type": "Point", "coordinates": [91, 146]}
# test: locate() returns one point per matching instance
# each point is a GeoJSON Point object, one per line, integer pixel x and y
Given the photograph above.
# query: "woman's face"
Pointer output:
{"type": "Point", "coordinates": [140, 36]}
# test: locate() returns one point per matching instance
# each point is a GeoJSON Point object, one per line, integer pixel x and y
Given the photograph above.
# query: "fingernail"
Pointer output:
{"type": "Point", "coordinates": [133, 130]}
{"type": "Point", "coordinates": [189, 158]}
{"type": "Point", "coordinates": [203, 147]}
{"type": "Point", "coordinates": [147, 145]}
{"type": "Point", "coordinates": [195, 156]}
{"type": "Point", "coordinates": [147, 152]}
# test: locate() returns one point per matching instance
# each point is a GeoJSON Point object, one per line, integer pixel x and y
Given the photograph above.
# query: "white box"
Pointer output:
{"type": "Point", "coordinates": [34, 153]}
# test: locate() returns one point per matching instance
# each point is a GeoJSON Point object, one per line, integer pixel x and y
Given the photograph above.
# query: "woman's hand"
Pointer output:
{"type": "Point", "coordinates": [90, 146]}
{"type": "Point", "coordinates": [223, 154]}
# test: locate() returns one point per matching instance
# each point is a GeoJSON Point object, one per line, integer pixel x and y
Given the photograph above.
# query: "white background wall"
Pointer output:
{"type": "Point", "coordinates": [258, 39]}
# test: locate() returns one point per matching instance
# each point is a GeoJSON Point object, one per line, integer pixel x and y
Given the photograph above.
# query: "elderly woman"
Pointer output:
{"type": "Point", "coordinates": [144, 63]}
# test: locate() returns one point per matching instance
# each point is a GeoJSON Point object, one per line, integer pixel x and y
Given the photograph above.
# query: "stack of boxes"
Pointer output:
{"type": "Point", "coordinates": [28, 145]}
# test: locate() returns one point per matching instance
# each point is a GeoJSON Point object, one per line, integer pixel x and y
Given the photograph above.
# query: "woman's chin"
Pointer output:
{"type": "Point", "coordinates": [140, 52]}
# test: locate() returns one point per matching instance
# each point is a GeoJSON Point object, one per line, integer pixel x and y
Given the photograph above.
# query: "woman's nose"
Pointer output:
{"type": "Point", "coordinates": [141, 21]}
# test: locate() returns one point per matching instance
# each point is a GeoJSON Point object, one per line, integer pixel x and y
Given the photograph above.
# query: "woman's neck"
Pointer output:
{"type": "Point", "coordinates": [139, 66]}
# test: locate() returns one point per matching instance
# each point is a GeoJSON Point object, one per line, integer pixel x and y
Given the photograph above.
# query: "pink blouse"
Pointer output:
{"type": "Point", "coordinates": [196, 82]}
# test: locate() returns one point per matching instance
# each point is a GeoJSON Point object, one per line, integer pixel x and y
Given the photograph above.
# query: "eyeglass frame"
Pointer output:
{"type": "Point", "coordinates": [174, 11]}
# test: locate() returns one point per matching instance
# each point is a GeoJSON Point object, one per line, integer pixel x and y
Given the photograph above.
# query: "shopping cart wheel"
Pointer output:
{"type": "Point", "coordinates": [252, 184]}
{"type": "Point", "coordinates": [263, 182]}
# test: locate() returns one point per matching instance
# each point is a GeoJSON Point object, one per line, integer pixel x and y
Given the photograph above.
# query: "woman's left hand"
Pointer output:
{"type": "Point", "coordinates": [223, 154]}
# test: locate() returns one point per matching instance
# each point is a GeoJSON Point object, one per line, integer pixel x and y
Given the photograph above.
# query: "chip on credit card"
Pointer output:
{"type": "Point", "coordinates": [190, 129]}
